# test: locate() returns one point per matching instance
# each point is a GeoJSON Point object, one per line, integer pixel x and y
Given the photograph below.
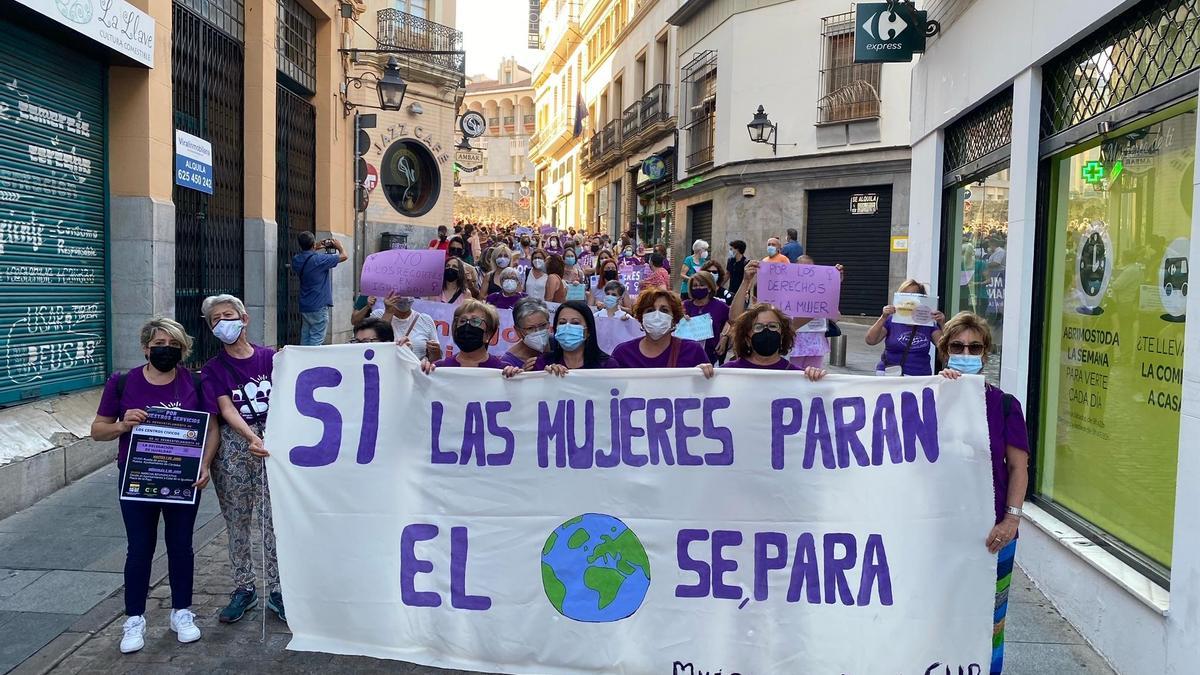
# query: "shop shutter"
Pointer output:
{"type": "Point", "coordinates": [699, 225]}
{"type": "Point", "coordinates": [861, 242]}
{"type": "Point", "coordinates": [53, 300]}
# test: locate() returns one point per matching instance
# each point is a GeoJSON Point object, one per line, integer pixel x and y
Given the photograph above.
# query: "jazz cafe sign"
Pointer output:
{"type": "Point", "coordinates": [890, 32]}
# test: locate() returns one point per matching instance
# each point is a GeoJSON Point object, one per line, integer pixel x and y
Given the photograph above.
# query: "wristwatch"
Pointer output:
{"type": "Point", "coordinates": [1014, 511]}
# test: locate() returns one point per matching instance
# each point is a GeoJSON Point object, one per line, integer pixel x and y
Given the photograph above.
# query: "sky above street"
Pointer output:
{"type": "Point", "coordinates": [493, 29]}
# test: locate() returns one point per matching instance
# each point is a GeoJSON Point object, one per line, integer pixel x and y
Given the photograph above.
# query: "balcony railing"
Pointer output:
{"type": "Point", "coordinates": [402, 31]}
{"type": "Point", "coordinates": [654, 106]}
{"type": "Point", "coordinates": [611, 138]}
{"type": "Point", "coordinates": [549, 138]}
{"type": "Point", "coordinates": [629, 121]}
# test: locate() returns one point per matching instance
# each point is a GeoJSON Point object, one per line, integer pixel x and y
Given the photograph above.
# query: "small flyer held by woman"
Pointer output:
{"type": "Point", "coordinates": [164, 459]}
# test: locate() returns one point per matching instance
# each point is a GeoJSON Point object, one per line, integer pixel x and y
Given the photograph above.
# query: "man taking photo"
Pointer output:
{"type": "Point", "coordinates": [316, 285]}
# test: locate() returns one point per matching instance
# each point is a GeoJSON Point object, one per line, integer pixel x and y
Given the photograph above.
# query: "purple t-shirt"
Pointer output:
{"type": "Point", "coordinates": [511, 359]}
{"type": "Point", "coordinates": [719, 311]}
{"type": "Point", "coordinates": [894, 345]}
{"type": "Point", "coordinates": [548, 359]}
{"type": "Point", "coordinates": [1003, 431]}
{"type": "Point", "coordinates": [781, 364]}
{"type": "Point", "coordinates": [629, 355]}
{"type": "Point", "coordinates": [225, 375]}
{"type": "Point", "coordinates": [140, 394]}
{"type": "Point", "coordinates": [502, 301]}
{"type": "Point", "coordinates": [492, 361]}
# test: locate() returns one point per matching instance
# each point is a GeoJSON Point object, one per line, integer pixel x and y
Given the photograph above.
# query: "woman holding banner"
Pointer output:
{"type": "Point", "coordinates": [659, 310]}
{"type": "Point", "coordinates": [531, 320]}
{"type": "Point", "coordinates": [575, 345]}
{"type": "Point", "coordinates": [510, 290]}
{"type": "Point", "coordinates": [906, 348]}
{"type": "Point", "coordinates": [163, 383]}
{"type": "Point", "coordinates": [965, 344]}
{"type": "Point", "coordinates": [237, 387]}
{"type": "Point", "coordinates": [703, 289]}
{"type": "Point", "coordinates": [475, 324]}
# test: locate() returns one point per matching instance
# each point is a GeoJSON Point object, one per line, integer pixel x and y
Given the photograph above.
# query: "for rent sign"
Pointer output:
{"type": "Point", "coordinates": [193, 162]}
{"type": "Point", "coordinates": [630, 521]}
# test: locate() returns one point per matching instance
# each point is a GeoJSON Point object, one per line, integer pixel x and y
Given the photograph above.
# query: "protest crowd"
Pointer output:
{"type": "Point", "coordinates": [522, 299]}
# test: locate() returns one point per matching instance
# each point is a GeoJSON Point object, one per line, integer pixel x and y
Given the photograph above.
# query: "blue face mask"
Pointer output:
{"type": "Point", "coordinates": [771, 251]}
{"type": "Point", "coordinates": [611, 301]}
{"type": "Point", "coordinates": [966, 364]}
{"type": "Point", "coordinates": [569, 336]}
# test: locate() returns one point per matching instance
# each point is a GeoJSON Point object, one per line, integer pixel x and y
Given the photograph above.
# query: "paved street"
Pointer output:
{"type": "Point", "coordinates": [60, 596]}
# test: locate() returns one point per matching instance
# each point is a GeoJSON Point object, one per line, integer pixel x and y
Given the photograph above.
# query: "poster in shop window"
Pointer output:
{"type": "Point", "coordinates": [164, 457]}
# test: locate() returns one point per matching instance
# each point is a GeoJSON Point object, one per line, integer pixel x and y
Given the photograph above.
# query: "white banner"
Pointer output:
{"type": "Point", "coordinates": [609, 332]}
{"type": "Point", "coordinates": [640, 521]}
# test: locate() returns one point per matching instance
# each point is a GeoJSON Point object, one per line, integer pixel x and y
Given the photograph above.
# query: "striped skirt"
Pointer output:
{"type": "Point", "coordinates": [1004, 572]}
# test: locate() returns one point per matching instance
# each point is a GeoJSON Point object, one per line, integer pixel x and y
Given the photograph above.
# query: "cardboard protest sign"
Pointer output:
{"type": "Point", "coordinates": [699, 327]}
{"type": "Point", "coordinates": [801, 290]}
{"type": "Point", "coordinates": [630, 521]}
{"type": "Point", "coordinates": [411, 272]}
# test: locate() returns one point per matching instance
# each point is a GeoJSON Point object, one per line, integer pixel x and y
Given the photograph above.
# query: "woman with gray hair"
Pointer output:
{"type": "Point", "coordinates": [531, 320]}
{"type": "Point", "coordinates": [510, 289]}
{"type": "Point", "coordinates": [161, 383]}
{"type": "Point", "coordinates": [237, 389]}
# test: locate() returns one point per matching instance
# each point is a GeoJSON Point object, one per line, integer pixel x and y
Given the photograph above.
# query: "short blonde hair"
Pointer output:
{"type": "Point", "coordinates": [704, 278]}
{"type": "Point", "coordinates": [491, 318]}
{"type": "Point", "coordinates": [961, 323]}
{"type": "Point", "coordinates": [172, 328]}
{"type": "Point", "coordinates": [912, 282]}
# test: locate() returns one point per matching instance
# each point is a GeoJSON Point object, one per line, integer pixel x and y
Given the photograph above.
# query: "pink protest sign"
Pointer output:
{"type": "Point", "coordinates": [404, 272]}
{"type": "Point", "coordinates": [632, 276]}
{"type": "Point", "coordinates": [801, 290]}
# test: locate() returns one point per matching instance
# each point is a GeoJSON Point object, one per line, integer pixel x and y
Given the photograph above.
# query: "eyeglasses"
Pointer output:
{"type": "Point", "coordinates": [545, 325]}
{"type": "Point", "coordinates": [974, 349]}
{"type": "Point", "coordinates": [474, 321]}
{"type": "Point", "coordinates": [772, 326]}
{"type": "Point", "coordinates": [355, 341]}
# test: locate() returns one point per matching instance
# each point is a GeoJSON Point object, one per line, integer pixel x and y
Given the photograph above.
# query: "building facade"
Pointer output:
{"type": "Point", "coordinates": [408, 165]}
{"type": "Point", "coordinates": [1053, 191]}
{"type": "Point", "coordinates": [839, 170]}
{"type": "Point", "coordinates": [492, 181]}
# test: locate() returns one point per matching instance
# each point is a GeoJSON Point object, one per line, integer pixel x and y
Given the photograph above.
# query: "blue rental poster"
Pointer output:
{"type": "Point", "coordinates": [164, 456]}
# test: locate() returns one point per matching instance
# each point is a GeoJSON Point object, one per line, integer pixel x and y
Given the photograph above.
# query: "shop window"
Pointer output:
{"type": "Point", "coordinates": [977, 256]}
{"type": "Point", "coordinates": [410, 178]}
{"type": "Point", "coordinates": [1122, 214]}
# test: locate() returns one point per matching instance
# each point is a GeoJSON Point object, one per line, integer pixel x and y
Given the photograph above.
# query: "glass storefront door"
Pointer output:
{"type": "Point", "coordinates": [1121, 221]}
{"type": "Point", "coordinates": [977, 252]}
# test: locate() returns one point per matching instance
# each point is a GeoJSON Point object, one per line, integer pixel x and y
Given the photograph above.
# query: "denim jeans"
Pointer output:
{"type": "Point", "coordinates": [312, 327]}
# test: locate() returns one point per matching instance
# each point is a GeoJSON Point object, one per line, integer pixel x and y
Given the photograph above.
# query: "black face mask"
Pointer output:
{"type": "Point", "coordinates": [766, 343]}
{"type": "Point", "coordinates": [468, 337]}
{"type": "Point", "coordinates": [595, 248]}
{"type": "Point", "coordinates": [610, 275]}
{"type": "Point", "coordinates": [164, 359]}
{"type": "Point", "coordinates": [450, 275]}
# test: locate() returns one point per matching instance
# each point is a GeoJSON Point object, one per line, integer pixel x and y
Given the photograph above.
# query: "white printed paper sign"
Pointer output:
{"type": "Point", "coordinates": [914, 309]}
{"type": "Point", "coordinates": [626, 522]}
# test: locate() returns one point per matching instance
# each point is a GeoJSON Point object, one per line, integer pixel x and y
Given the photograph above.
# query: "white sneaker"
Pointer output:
{"type": "Point", "coordinates": [135, 635]}
{"type": "Point", "coordinates": [183, 622]}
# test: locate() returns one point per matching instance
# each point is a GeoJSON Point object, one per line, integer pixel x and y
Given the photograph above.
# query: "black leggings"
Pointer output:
{"type": "Point", "coordinates": [141, 531]}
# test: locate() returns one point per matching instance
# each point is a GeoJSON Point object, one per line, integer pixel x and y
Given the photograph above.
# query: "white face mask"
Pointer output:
{"type": "Point", "coordinates": [539, 264]}
{"type": "Point", "coordinates": [228, 330]}
{"type": "Point", "coordinates": [502, 262]}
{"type": "Point", "coordinates": [509, 285]}
{"type": "Point", "coordinates": [537, 340]}
{"type": "Point", "coordinates": [657, 324]}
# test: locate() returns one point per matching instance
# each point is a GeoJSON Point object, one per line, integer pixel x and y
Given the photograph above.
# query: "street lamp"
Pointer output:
{"type": "Point", "coordinates": [762, 130]}
{"type": "Point", "coordinates": [391, 87]}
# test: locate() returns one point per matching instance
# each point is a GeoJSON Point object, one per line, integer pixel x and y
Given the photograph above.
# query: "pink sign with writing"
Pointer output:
{"type": "Point", "coordinates": [403, 272]}
{"type": "Point", "coordinates": [801, 290]}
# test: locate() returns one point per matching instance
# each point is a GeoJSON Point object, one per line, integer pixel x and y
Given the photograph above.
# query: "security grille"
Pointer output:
{"type": "Point", "coordinates": [295, 199]}
{"type": "Point", "coordinates": [206, 69]}
{"type": "Point", "coordinates": [296, 34]}
{"type": "Point", "coordinates": [699, 85]}
{"type": "Point", "coordinates": [980, 132]}
{"type": "Point", "coordinates": [849, 90]}
{"type": "Point", "coordinates": [1151, 44]}
{"type": "Point", "coordinates": [227, 15]}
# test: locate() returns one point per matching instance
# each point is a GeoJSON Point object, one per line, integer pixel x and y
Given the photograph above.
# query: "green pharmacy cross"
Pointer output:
{"type": "Point", "coordinates": [1093, 172]}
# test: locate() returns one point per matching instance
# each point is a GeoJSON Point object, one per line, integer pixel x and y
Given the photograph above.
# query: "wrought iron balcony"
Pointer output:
{"type": "Point", "coordinates": [548, 139]}
{"type": "Point", "coordinates": [655, 107]}
{"type": "Point", "coordinates": [646, 118]}
{"type": "Point", "coordinates": [629, 121]}
{"type": "Point", "coordinates": [611, 138]}
{"type": "Point", "coordinates": [402, 32]}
